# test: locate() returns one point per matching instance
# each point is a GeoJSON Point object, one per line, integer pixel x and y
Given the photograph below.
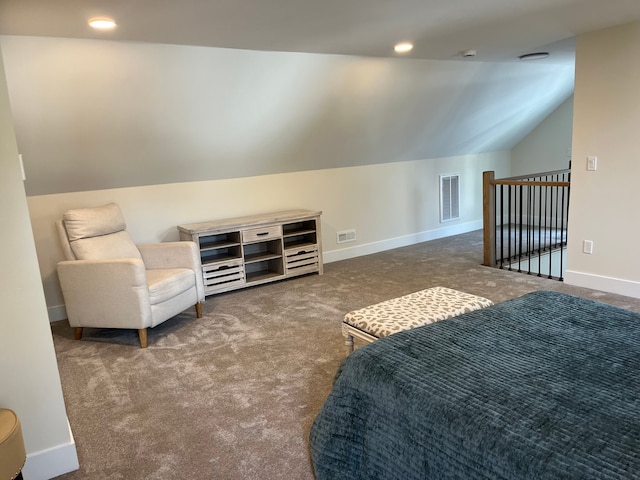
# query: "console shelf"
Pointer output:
{"type": "Point", "coordinates": [245, 251]}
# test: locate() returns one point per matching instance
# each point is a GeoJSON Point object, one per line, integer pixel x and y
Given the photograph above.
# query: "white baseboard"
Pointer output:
{"type": "Point", "coordinates": [56, 313]}
{"type": "Point", "coordinates": [52, 462]}
{"type": "Point", "coordinates": [375, 247]}
{"type": "Point", "coordinates": [627, 288]}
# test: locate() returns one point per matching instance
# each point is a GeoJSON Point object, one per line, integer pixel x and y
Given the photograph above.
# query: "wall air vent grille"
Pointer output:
{"type": "Point", "coordinates": [449, 197]}
{"type": "Point", "coordinates": [346, 236]}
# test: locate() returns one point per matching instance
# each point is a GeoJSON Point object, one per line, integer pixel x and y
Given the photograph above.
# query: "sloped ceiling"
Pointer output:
{"type": "Point", "coordinates": [211, 90]}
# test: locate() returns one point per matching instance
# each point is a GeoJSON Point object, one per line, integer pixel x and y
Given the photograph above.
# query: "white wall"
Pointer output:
{"type": "Point", "coordinates": [548, 146]}
{"type": "Point", "coordinates": [604, 203]}
{"type": "Point", "coordinates": [29, 378]}
{"type": "Point", "coordinates": [97, 114]}
{"type": "Point", "coordinates": [389, 205]}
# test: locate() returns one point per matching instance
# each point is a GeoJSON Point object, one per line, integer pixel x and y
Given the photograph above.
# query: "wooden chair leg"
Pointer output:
{"type": "Point", "coordinates": [199, 310]}
{"type": "Point", "coordinates": [78, 333]}
{"type": "Point", "coordinates": [142, 333]}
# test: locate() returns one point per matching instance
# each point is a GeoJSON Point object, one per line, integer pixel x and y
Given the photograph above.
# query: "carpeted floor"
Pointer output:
{"type": "Point", "coordinates": [233, 395]}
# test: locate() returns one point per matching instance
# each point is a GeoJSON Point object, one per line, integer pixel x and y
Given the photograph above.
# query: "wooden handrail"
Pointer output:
{"type": "Point", "coordinates": [543, 174]}
{"type": "Point", "coordinates": [531, 183]}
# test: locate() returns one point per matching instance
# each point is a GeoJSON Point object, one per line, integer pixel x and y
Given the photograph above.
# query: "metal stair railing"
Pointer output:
{"type": "Point", "coordinates": [525, 222]}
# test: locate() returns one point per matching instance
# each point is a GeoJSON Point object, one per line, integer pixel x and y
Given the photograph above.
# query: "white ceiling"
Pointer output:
{"type": "Point", "coordinates": [499, 30]}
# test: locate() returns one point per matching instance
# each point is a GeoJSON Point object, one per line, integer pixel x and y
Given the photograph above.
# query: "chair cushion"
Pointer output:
{"type": "Point", "coordinates": [93, 222]}
{"type": "Point", "coordinates": [99, 233]}
{"type": "Point", "coordinates": [116, 245]}
{"type": "Point", "coordinates": [166, 283]}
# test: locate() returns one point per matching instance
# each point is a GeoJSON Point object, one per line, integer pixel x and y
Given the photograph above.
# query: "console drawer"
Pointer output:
{"type": "Point", "coordinates": [264, 233]}
{"type": "Point", "coordinates": [301, 259]}
{"type": "Point", "coordinates": [221, 276]}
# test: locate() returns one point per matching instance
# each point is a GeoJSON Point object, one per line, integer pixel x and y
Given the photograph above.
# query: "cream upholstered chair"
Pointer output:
{"type": "Point", "coordinates": [110, 282]}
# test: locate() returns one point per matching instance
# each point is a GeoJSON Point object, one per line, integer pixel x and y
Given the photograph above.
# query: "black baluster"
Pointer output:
{"type": "Point", "coordinates": [520, 229]}
{"type": "Point", "coordinates": [501, 226]}
{"type": "Point", "coordinates": [509, 226]}
{"type": "Point", "coordinates": [551, 233]}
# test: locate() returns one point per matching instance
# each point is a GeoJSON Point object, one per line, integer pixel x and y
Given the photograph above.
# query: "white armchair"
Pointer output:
{"type": "Point", "coordinates": [110, 282]}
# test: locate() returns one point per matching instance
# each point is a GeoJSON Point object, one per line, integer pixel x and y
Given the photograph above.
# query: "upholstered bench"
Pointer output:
{"type": "Point", "coordinates": [410, 311]}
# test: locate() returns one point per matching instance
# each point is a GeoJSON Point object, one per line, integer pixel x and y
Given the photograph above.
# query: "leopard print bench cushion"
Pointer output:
{"type": "Point", "coordinates": [413, 310]}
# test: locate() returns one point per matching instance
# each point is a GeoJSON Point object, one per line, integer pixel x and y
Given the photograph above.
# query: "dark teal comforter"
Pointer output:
{"type": "Point", "coordinates": [545, 386]}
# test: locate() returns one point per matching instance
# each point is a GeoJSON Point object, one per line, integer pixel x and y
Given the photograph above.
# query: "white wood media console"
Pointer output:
{"type": "Point", "coordinates": [246, 251]}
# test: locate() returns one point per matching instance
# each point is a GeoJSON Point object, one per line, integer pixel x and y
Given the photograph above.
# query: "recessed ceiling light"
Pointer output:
{"type": "Point", "coordinates": [403, 47]}
{"type": "Point", "coordinates": [534, 56]}
{"type": "Point", "coordinates": [102, 23]}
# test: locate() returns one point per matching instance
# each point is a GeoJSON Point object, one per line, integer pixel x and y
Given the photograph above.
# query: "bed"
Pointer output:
{"type": "Point", "coordinates": [544, 386]}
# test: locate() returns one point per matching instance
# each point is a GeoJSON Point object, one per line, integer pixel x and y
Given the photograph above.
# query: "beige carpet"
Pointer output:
{"type": "Point", "coordinates": [233, 395]}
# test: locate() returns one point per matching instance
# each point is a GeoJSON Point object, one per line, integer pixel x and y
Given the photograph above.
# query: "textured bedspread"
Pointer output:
{"type": "Point", "coordinates": [545, 386]}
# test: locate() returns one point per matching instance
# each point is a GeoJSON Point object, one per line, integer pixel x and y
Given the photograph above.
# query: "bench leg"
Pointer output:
{"type": "Point", "coordinates": [348, 341]}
